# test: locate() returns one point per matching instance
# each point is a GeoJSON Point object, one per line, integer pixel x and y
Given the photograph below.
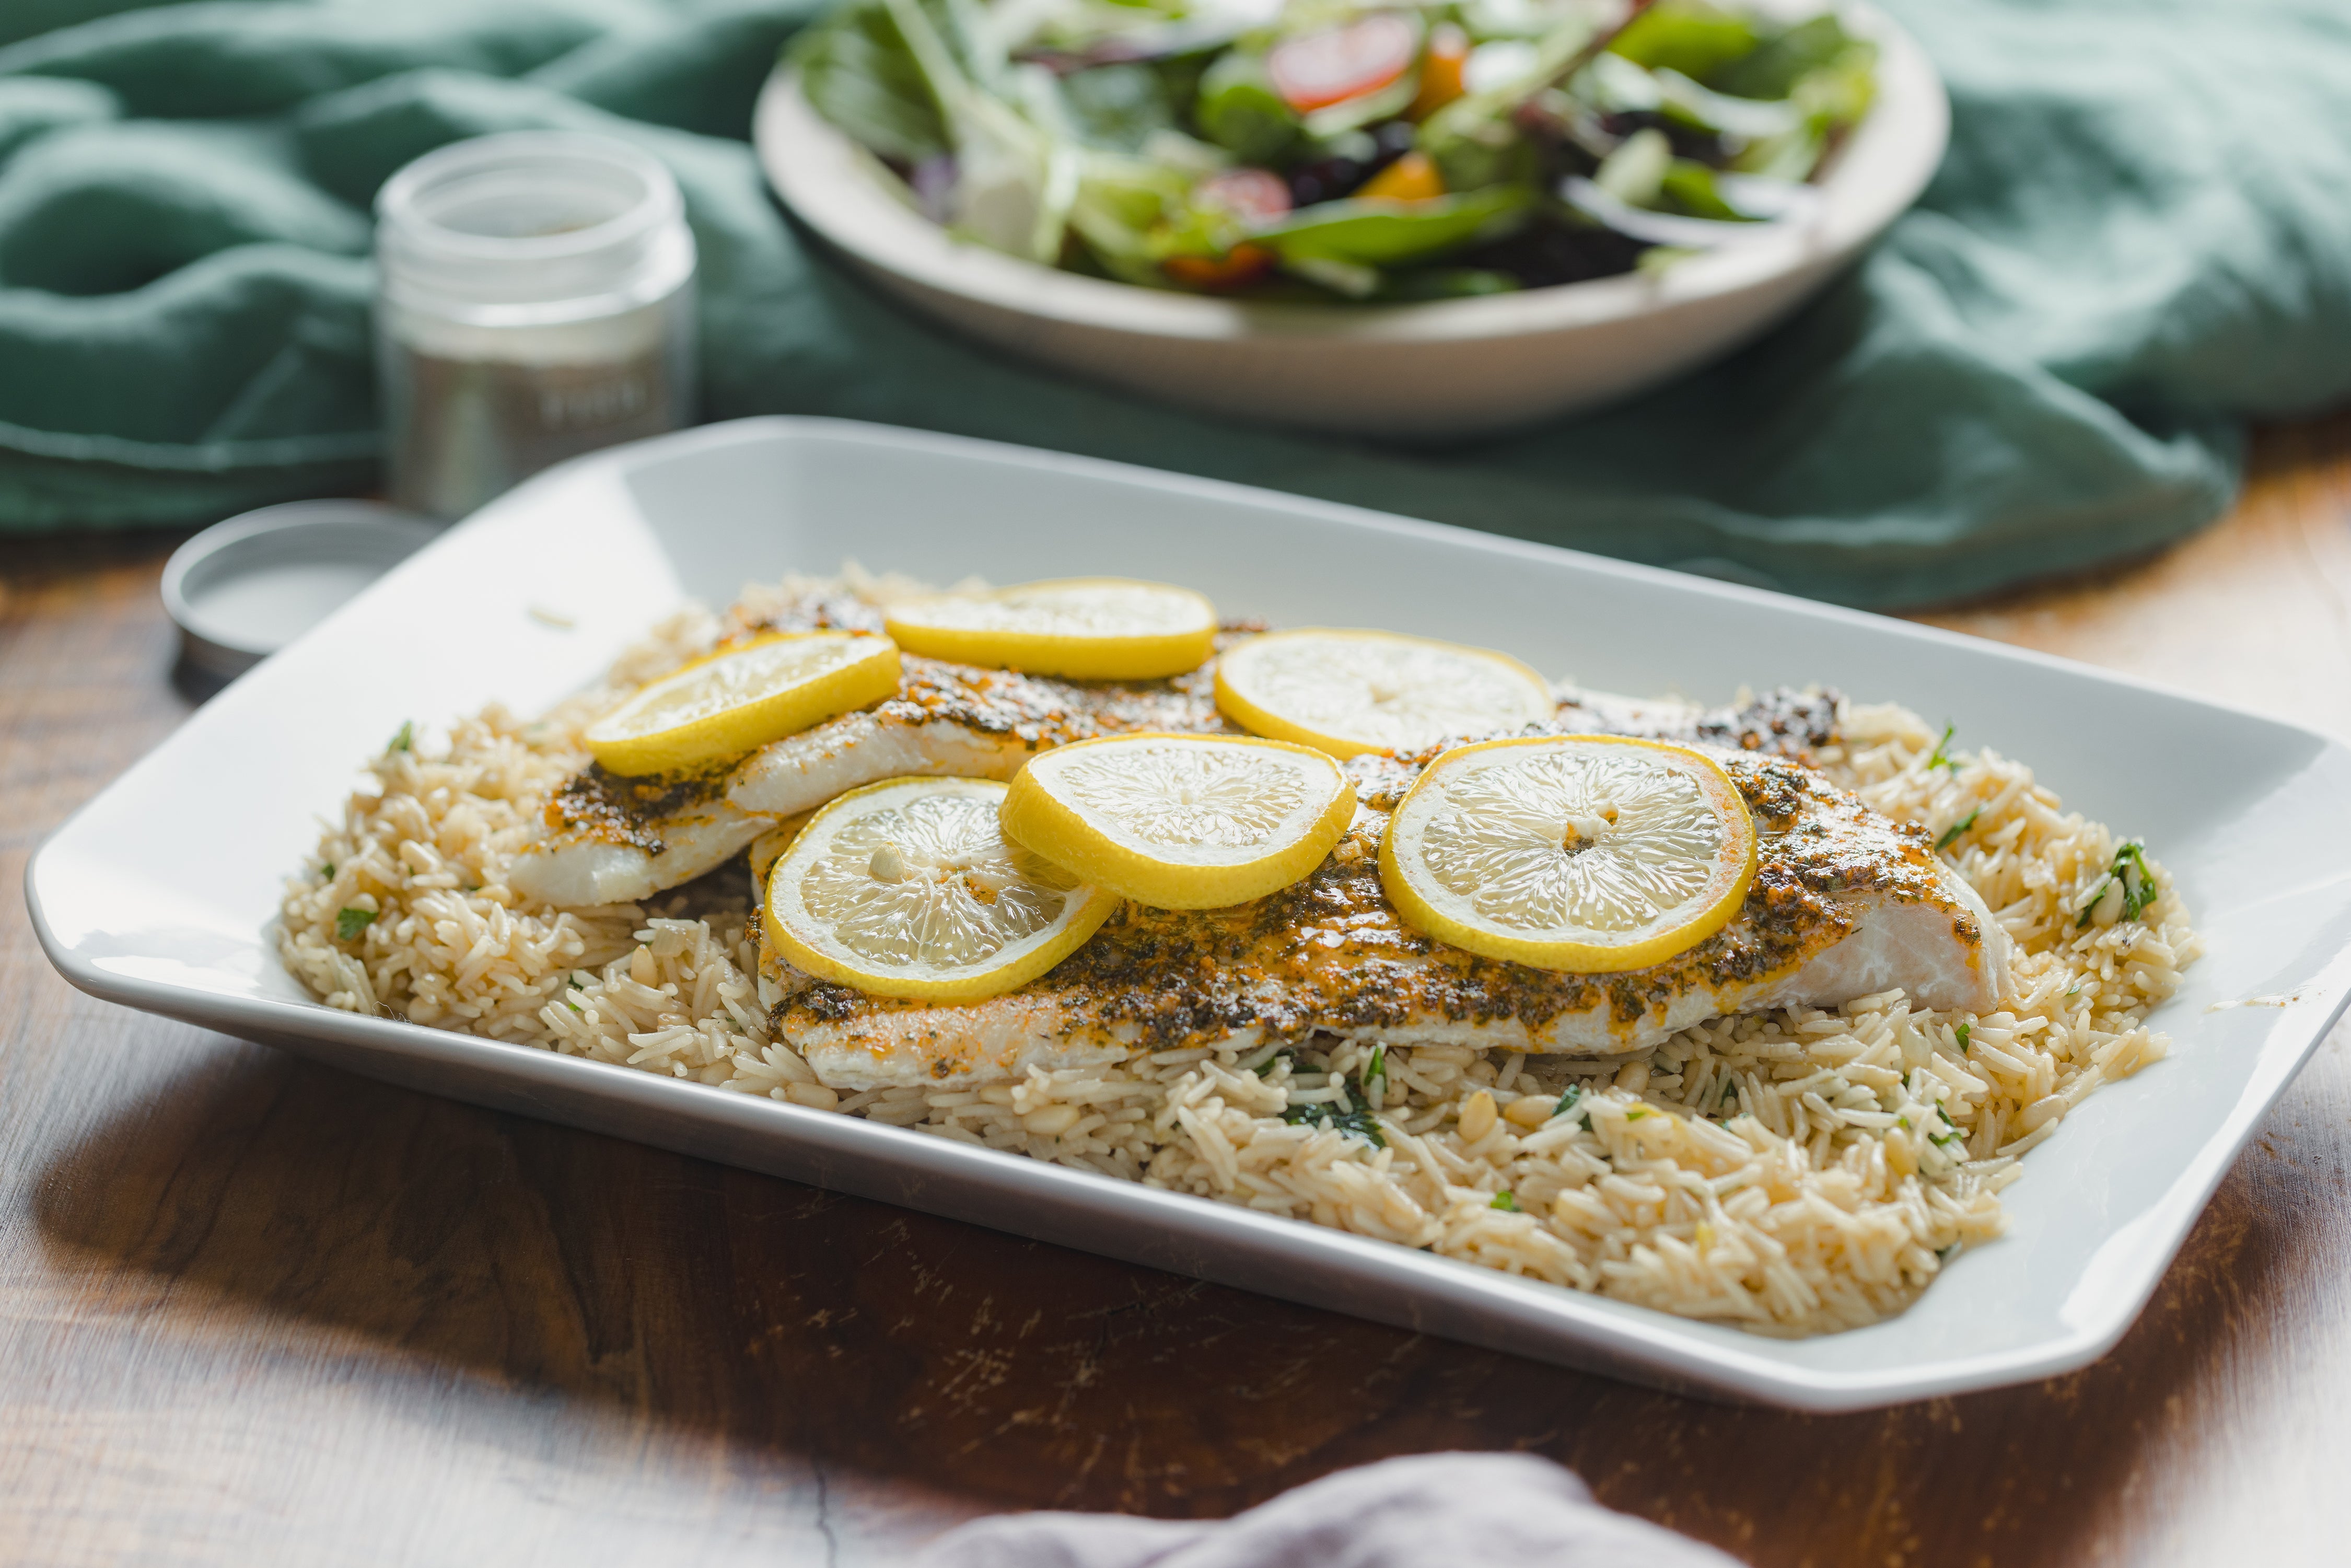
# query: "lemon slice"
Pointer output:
{"type": "Point", "coordinates": [1582, 851]}
{"type": "Point", "coordinates": [734, 701]}
{"type": "Point", "coordinates": [1084, 628]}
{"type": "Point", "coordinates": [908, 888]}
{"type": "Point", "coordinates": [1182, 821]}
{"type": "Point", "coordinates": [1350, 691]}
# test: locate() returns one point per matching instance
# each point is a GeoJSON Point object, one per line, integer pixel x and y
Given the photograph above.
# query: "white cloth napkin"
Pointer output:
{"type": "Point", "coordinates": [1434, 1511]}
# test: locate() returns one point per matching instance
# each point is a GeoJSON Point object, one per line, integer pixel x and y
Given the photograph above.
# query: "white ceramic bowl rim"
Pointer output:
{"type": "Point", "coordinates": [832, 183]}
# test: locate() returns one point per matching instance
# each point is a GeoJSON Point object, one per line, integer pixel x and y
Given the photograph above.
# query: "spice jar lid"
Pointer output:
{"type": "Point", "coordinates": [245, 588]}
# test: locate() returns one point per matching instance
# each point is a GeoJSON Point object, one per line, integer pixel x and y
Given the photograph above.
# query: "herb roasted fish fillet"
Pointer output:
{"type": "Point", "coordinates": [1845, 902]}
{"type": "Point", "coordinates": [605, 839]}
{"type": "Point", "coordinates": [966, 722]}
{"type": "Point", "coordinates": [1862, 907]}
{"type": "Point", "coordinates": [610, 840]}
{"type": "Point", "coordinates": [615, 841]}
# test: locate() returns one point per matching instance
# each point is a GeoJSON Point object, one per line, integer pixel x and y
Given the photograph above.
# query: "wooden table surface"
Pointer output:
{"type": "Point", "coordinates": [254, 1312]}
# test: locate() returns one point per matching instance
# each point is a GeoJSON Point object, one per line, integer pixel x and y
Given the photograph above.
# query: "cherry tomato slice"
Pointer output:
{"type": "Point", "coordinates": [1253, 195]}
{"type": "Point", "coordinates": [1340, 63]}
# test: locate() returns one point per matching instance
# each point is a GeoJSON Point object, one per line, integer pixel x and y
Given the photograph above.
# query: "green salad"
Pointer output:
{"type": "Point", "coordinates": [1332, 150]}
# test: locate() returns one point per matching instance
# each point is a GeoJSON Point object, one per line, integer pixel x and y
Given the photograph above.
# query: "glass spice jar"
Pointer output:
{"type": "Point", "coordinates": [535, 301]}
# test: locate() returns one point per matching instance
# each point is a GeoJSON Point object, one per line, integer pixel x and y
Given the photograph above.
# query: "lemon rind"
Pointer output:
{"type": "Point", "coordinates": [1033, 817]}
{"type": "Point", "coordinates": [1069, 655]}
{"type": "Point", "coordinates": [1075, 928]}
{"type": "Point", "coordinates": [721, 737]}
{"type": "Point", "coordinates": [1574, 958]}
{"type": "Point", "coordinates": [1259, 720]}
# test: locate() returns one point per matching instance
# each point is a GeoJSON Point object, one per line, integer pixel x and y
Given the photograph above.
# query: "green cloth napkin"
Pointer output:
{"type": "Point", "coordinates": [2141, 237]}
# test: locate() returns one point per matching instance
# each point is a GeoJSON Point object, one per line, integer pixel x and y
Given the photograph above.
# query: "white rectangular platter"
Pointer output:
{"type": "Point", "coordinates": [160, 894]}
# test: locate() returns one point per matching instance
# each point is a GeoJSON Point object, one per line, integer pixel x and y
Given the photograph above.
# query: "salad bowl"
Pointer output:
{"type": "Point", "coordinates": [1442, 369]}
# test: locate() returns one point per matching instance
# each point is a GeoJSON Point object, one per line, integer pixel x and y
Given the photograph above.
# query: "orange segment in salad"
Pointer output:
{"type": "Point", "coordinates": [1411, 178]}
{"type": "Point", "coordinates": [1442, 71]}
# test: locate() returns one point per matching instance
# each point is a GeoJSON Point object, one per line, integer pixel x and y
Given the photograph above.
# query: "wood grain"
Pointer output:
{"type": "Point", "coordinates": [254, 1311]}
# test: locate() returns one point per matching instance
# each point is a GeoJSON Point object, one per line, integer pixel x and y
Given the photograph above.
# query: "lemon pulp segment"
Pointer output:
{"type": "Point", "coordinates": [1576, 852]}
{"type": "Point", "coordinates": [731, 702]}
{"type": "Point", "coordinates": [1083, 628]}
{"type": "Point", "coordinates": [1182, 821]}
{"type": "Point", "coordinates": [1351, 692]}
{"type": "Point", "coordinates": [908, 888]}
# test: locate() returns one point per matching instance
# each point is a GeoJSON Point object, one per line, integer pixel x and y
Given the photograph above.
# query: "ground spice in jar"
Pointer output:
{"type": "Point", "coordinates": [537, 303]}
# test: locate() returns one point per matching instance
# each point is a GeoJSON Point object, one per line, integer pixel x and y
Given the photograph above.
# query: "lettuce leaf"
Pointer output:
{"type": "Point", "coordinates": [857, 72]}
{"type": "Point", "coordinates": [1382, 233]}
{"type": "Point", "coordinates": [1691, 37]}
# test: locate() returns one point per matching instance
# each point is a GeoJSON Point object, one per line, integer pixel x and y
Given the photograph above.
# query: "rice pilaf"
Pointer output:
{"type": "Point", "coordinates": [1792, 1172]}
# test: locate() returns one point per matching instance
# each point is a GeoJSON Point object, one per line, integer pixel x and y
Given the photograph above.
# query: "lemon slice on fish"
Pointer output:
{"type": "Point", "coordinates": [1182, 821]}
{"type": "Point", "coordinates": [1579, 853]}
{"type": "Point", "coordinates": [1351, 692]}
{"type": "Point", "coordinates": [1083, 628]}
{"type": "Point", "coordinates": [732, 702]}
{"type": "Point", "coordinates": [908, 888]}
